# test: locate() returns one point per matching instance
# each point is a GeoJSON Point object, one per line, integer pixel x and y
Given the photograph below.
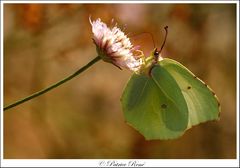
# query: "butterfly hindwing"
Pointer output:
{"type": "Point", "coordinates": [177, 118]}
{"type": "Point", "coordinates": [152, 108]}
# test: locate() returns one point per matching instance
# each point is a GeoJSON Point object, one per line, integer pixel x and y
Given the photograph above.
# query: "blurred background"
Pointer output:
{"type": "Point", "coordinates": [44, 43]}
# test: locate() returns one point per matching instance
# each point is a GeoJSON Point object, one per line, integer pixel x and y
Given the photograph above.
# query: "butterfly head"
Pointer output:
{"type": "Point", "coordinates": [156, 54]}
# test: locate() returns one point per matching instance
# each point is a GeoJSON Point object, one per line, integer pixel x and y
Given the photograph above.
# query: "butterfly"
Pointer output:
{"type": "Point", "coordinates": [168, 101]}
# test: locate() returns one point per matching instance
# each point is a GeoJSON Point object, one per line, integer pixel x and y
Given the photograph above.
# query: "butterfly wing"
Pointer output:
{"type": "Point", "coordinates": [170, 101]}
{"type": "Point", "coordinates": [202, 102]}
{"type": "Point", "coordinates": [155, 106]}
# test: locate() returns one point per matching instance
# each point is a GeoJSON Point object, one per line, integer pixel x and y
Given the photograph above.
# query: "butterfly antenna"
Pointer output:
{"type": "Point", "coordinates": [145, 33]}
{"type": "Point", "coordinates": [165, 38]}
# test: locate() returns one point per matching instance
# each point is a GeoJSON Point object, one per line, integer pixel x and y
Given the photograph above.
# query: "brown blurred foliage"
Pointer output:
{"type": "Point", "coordinates": [83, 118]}
{"type": "Point", "coordinates": [31, 16]}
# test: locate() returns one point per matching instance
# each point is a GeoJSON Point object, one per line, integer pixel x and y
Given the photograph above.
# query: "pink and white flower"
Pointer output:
{"type": "Point", "coordinates": [115, 47]}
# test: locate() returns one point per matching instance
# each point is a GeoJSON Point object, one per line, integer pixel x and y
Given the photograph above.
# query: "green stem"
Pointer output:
{"type": "Point", "coordinates": [53, 86]}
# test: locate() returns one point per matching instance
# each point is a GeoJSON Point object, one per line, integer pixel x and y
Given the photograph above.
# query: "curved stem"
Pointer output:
{"type": "Point", "coordinates": [53, 86]}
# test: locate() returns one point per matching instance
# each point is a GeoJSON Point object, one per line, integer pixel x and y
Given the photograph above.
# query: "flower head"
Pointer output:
{"type": "Point", "coordinates": [114, 46]}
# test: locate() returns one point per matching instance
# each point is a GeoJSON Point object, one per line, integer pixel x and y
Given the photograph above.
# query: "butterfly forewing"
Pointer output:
{"type": "Point", "coordinates": [202, 102]}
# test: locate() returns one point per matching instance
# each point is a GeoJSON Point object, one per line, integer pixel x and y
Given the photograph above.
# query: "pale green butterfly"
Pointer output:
{"type": "Point", "coordinates": [168, 101]}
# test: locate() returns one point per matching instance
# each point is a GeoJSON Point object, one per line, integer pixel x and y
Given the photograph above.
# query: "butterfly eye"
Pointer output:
{"type": "Point", "coordinates": [156, 53]}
